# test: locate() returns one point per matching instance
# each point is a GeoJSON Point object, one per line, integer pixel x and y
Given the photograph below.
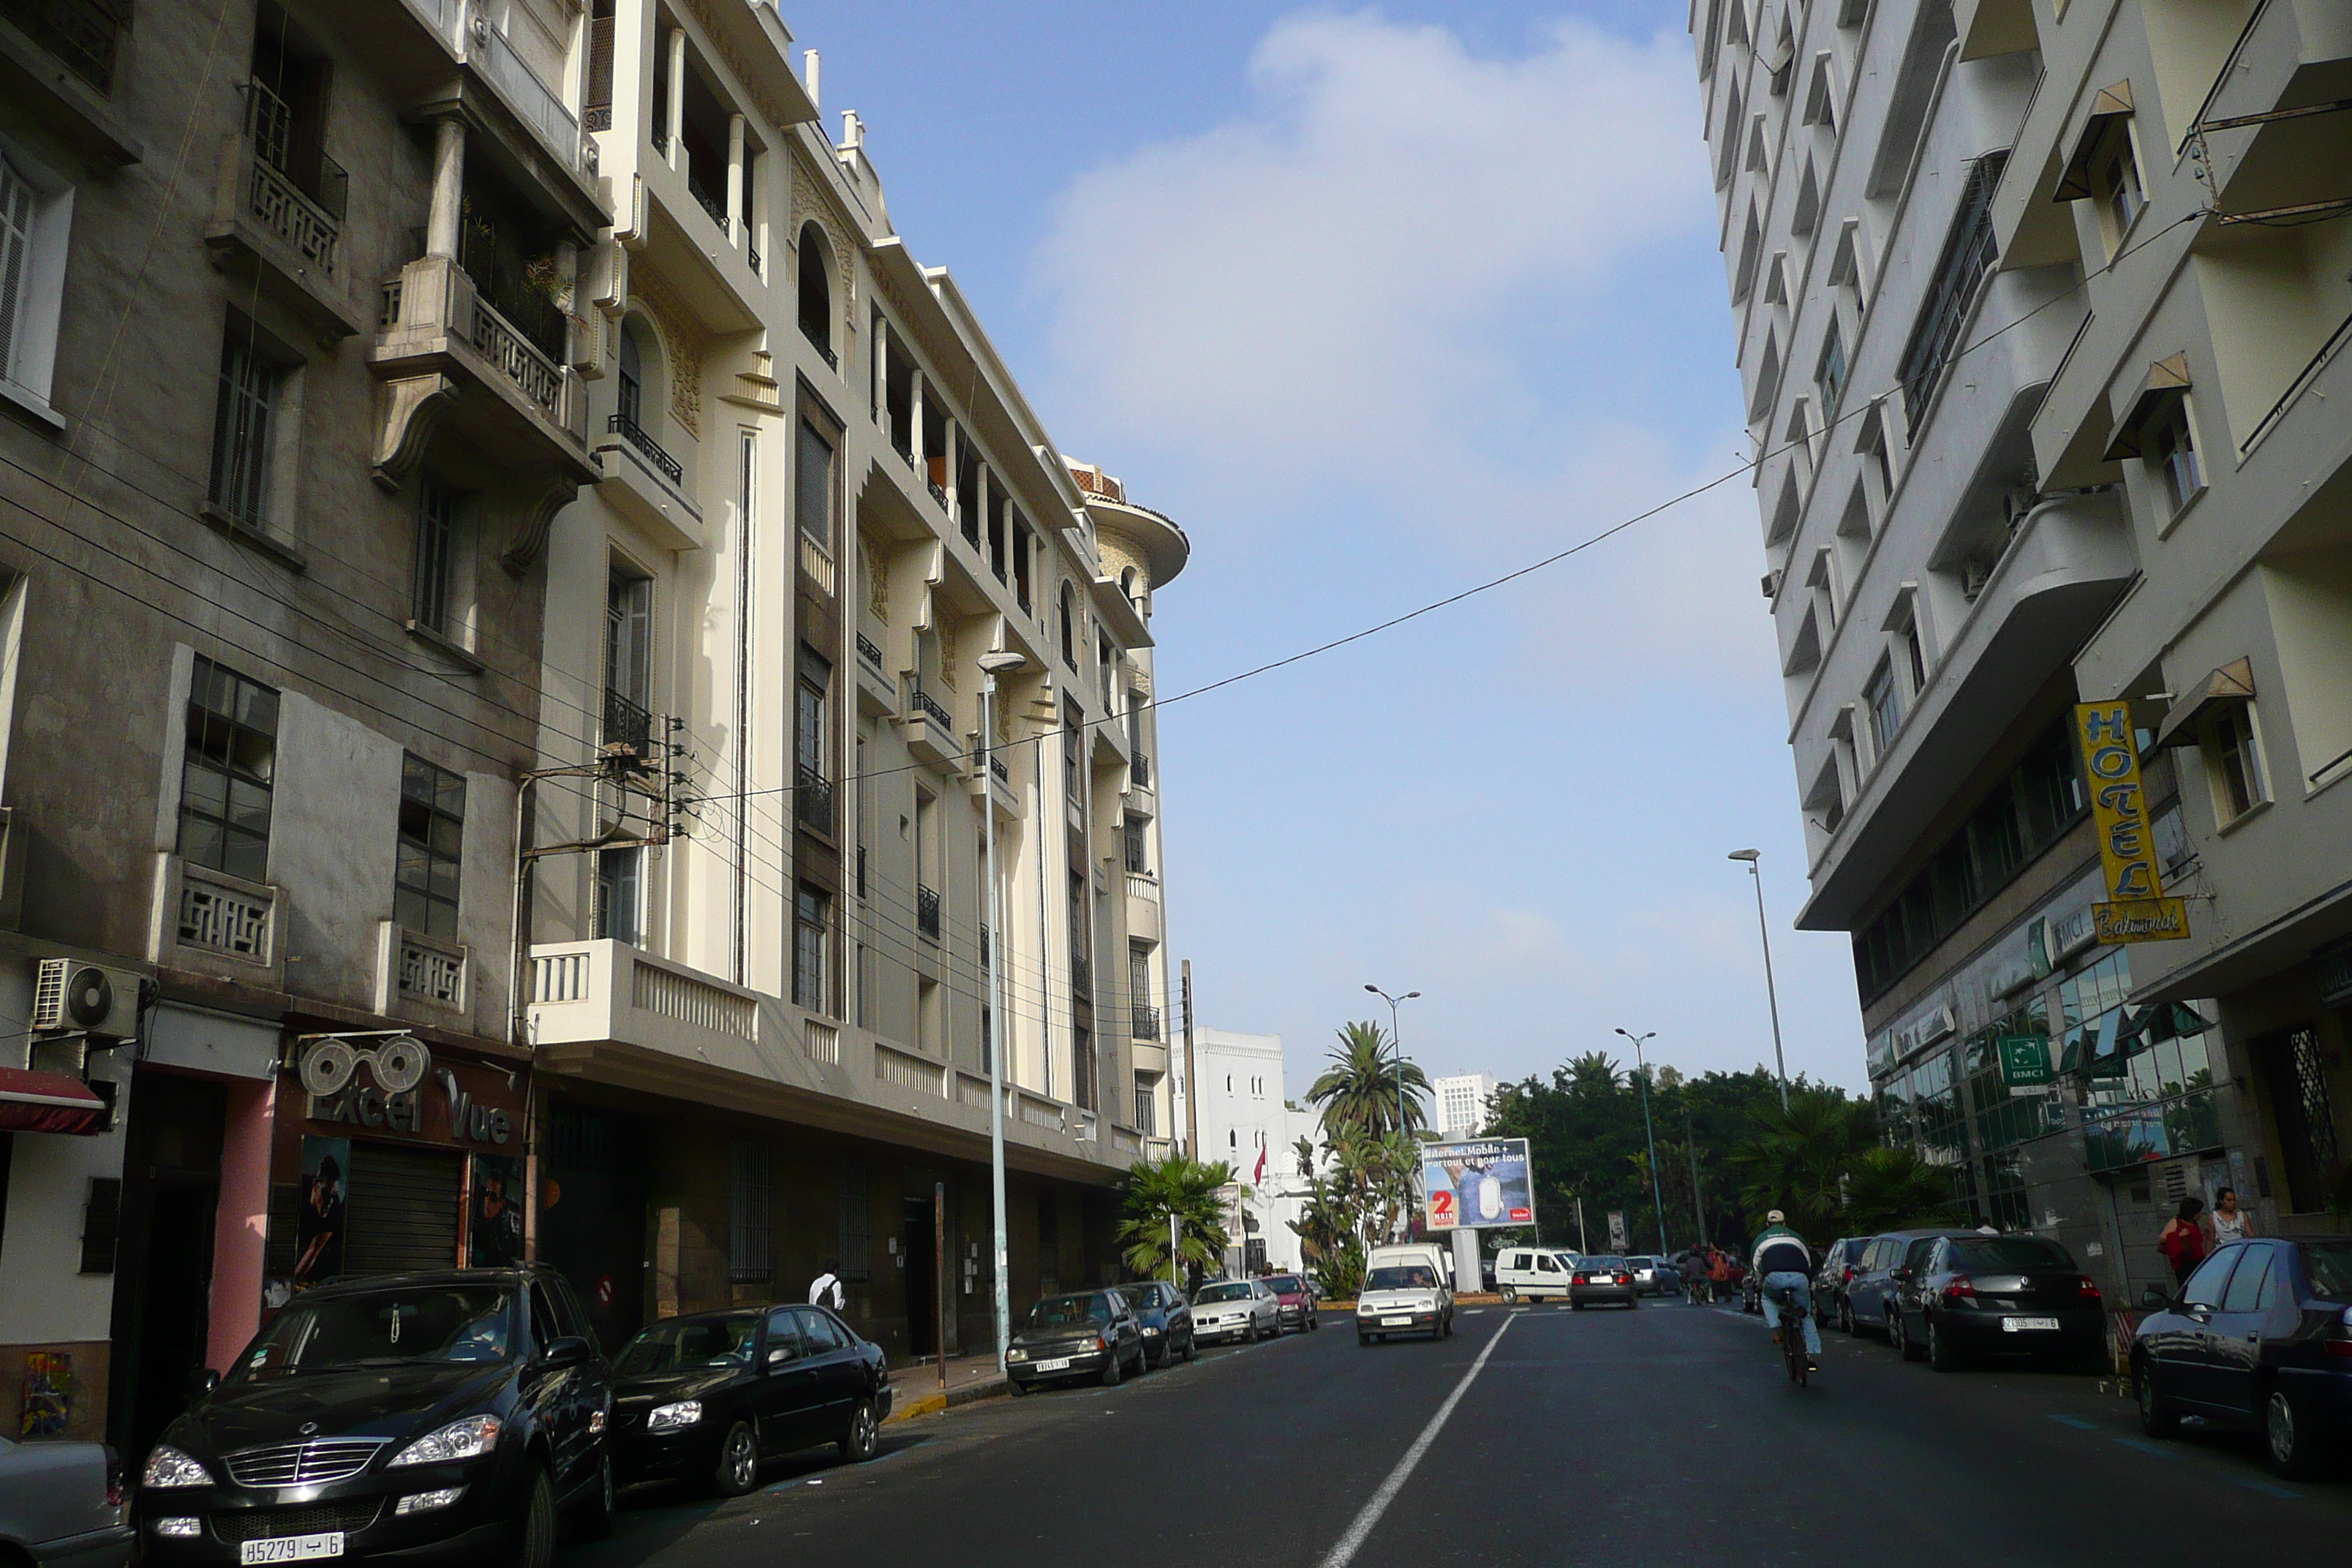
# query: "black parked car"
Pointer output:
{"type": "Point", "coordinates": [1970, 1294]}
{"type": "Point", "coordinates": [460, 1409]}
{"type": "Point", "coordinates": [1829, 1280]}
{"type": "Point", "coordinates": [2260, 1336]}
{"type": "Point", "coordinates": [1089, 1333]}
{"type": "Point", "coordinates": [705, 1398]}
{"type": "Point", "coordinates": [1165, 1317]}
{"type": "Point", "coordinates": [1870, 1293]}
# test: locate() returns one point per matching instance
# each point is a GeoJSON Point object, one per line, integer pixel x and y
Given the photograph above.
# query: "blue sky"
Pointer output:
{"type": "Point", "coordinates": [1379, 304]}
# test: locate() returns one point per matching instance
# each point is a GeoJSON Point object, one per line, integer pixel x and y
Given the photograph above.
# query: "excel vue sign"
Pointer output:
{"type": "Point", "coordinates": [2136, 908]}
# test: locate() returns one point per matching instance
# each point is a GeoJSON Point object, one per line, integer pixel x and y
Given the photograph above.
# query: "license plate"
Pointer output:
{"type": "Point", "coordinates": [1059, 1364]}
{"type": "Point", "coordinates": [2029, 1325]}
{"type": "Point", "coordinates": [292, 1548]}
{"type": "Point", "coordinates": [1396, 1322]}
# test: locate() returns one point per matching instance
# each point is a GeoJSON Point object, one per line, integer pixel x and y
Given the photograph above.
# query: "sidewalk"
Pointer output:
{"type": "Point", "coordinates": [914, 1387]}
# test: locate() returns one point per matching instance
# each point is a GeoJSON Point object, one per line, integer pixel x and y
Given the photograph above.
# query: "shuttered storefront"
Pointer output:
{"type": "Point", "coordinates": [404, 1208]}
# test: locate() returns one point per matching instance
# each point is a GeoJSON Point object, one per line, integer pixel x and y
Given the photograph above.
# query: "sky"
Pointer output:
{"type": "Point", "coordinates": [1381, 305]}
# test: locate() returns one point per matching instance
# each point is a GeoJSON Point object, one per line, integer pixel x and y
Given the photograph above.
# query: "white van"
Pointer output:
{"type": "Point", "coordinates": [1533, 1273]}
{"type": "Point", "coordinates": [1407, 1290]}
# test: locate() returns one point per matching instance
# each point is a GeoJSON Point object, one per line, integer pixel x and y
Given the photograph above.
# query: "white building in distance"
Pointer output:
{"type": "Point", "coordinates": [1463, 1103]}
{"type": "Point", "coordinates": [1243, 1116]}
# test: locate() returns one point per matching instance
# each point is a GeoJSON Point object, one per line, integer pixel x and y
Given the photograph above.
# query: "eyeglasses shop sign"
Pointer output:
{"type": "Point", "coordinates": [445, 1108]}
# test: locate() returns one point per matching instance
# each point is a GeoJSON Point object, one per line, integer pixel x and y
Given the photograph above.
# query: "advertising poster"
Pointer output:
{"type": "Point", "coordinates": [494, 1212]}
{"type": "Point", "coordinates": [1481, 1182]}
{"type": "Point", "coordinates": [49, 1394]}
{"type": "Point", "coordinates": [318, 1230]}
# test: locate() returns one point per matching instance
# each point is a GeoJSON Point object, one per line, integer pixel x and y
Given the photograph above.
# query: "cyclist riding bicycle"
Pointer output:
{"type": "Point", "coordinates": [1786, 1263]}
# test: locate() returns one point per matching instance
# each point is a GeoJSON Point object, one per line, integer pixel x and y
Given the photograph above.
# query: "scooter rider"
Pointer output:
{"type": "Point", "coordinates": [1785, 1263]}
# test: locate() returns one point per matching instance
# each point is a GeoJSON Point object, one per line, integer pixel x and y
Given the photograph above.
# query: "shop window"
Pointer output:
{"type": "Point", "coordinates": [226, 778]}
{"type": "Point", "coordinates": [102, 1225]}
{"type": "Point", "coordinates": [432, 844]}
{"type": "Point", "coordinates": [751, 1237]}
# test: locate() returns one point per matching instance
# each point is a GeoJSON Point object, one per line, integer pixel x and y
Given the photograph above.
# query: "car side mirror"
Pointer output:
{"type": "Point", "coordinates": [201, 1381]}
{"type": "Point", "coordinates": [2154, 1298]}
{"type": "Point", "coordinates": [1900, 1275]}
{"type": "Point", "coordinates": [782, 1355]}
{"type": "Point", "coordinates": [565, 1350]}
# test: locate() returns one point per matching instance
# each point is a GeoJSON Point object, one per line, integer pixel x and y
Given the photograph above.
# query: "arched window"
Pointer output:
{"type": "Point", "coordinates": [632, 376]}
{"type": "Point", "coordinates": [1069, 627]}
{"type": "Point", "coordinates": [816, 290]}
{"type": "Point", "coordinates": [1127, 583]}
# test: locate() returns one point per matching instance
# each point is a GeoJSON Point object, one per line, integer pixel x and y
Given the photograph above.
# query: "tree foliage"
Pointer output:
{"type": "Point", "coordinates": [1188, 1191]}
{"type": "Point", "coordinates": [1359, 1091]}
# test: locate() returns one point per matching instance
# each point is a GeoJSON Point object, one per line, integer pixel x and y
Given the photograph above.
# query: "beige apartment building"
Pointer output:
{"type": "Point", "coordinates": [2037, 307]}
{"type": "Point", "coordinates": [438, 438]}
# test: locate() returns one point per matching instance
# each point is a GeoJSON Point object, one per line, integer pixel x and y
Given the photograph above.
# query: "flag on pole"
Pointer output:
{"type": "Point", "coordinates": [1260, 1177]}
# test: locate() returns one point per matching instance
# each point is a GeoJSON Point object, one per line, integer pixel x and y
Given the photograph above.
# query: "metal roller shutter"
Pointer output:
{"type": "Point", "coordinates": [404, 1209]}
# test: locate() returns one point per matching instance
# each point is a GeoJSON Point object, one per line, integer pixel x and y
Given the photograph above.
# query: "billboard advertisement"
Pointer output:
{"type": "Point", "coordinates": [1476, 1184]}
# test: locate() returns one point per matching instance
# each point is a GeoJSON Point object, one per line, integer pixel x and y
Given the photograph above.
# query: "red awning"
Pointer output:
{"type": "Point", "coordinates": [48, 1102]}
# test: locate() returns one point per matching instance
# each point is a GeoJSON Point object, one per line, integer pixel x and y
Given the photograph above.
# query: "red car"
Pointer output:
{"type": "Point", "coordinates": [1297, 1298]}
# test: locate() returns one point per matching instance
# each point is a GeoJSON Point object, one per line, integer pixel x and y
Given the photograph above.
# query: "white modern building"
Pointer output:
{"type": "Point", "coordinates": [1244, 1118]}
{"type": "Point", "coordinates": [1463, 1103]}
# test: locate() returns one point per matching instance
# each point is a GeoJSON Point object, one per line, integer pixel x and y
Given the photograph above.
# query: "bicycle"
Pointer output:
{"type": "Point", "coordinates": [1792, 1333]}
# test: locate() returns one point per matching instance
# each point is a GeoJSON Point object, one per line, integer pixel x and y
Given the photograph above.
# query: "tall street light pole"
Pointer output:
{"type": "Point", "coordinates": [992, 665]}
{"type": "Point", "coordinates": [1396, 1039]}
{"type": "Point", "coordinates": [1764, 930]}
{"type": "Point", "coordinates": [1657, 1192]}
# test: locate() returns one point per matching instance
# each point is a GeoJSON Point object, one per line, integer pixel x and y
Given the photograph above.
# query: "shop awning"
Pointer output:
{"type": "Point", "coordinates": [48, 1102]}
{"type": "Point", "coordinates": [2232, 683]}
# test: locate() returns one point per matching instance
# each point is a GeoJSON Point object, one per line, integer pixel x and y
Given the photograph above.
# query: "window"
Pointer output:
{"type": "Point", "coordinates": [1147, 1112]}
{"type": "Point", "coordinates": [811, 921]}
{"type": "Point", "coordinates": [34, 210]}
{"type": "Point", "coordinates": [226, 780]}
{"type": "Point", "coordinates": [619, 915]}
{"type": "Point", "coordinates": [1969, 250]}
{"type": "Point", "coordinates": [1073, 753]}
{"type": "Point", "coordinates": [813, 489]}
{"type": "Point", "coordinates": [812, 787]}
{"type": "Point", "coordinates": [2115, 179]}
{"type": "Point", "coordinates": [242, 431]}
{"type": "Point", "coordinates": [436, 549]}
{"type": "Point", "coordinates": [432, 844]}
{"type": "Point", "coordinates": [1915, 655]}
{"type": "Point", "coordinates": [816, 292]}
{"type": "Point", "coordinates": [628, 658]}
{"type": "Point", "coordinates": [1885, 705]}
{"type": "Point", "coordinates": [2172, 452]}
{"type": "Point", "coordinates": [631, 383]}
{"type": "Point", "coordinates": [1830, 374]}
{"type": "Point", "coordinates": [1069, 617]}
{"type": "Point", "coordinates": [2233, 756]}
{"type": "Point", "coordinates": [1132, 832]}
{"type": "Point", "coordinates": [749, 1237]}
{"type": "Point", "coordinates": [1020, 560]}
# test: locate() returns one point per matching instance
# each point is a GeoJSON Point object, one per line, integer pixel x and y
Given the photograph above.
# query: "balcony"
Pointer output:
{"type": "Point", "coordinates": [217, 924]}
{"type": "Point", "coordinates": [930, 732]}
{"type": "Point", "coordinates": [2268, 116]}
{"type": "Point", "coordinates": [267, 230]}
{"type": "Point", "coordinates": [422, 978]}
{"type": "Point", "coordinates": [1145, 1022]}
{"type": "Point", "coordinates": [57, 62]}
{"type": "Point", "coordinates": [627, 726]}
{"type": "Point", "coordinates": [646, 484]}
{"type": "Point", "coordinates": [817, 567]}
{"type": "Point", "coordinates": [490, 57]}
{"type": "Point", "coordinates": [813, 800]}
{"type": "Point", "coordinates": [452, 359]}
{"type": "Point", "coordinates": [1082, 978]}
{"type": "Point", "coordinates": [927, 911]}
{"type": "Point", "coordinates": [1140, 770]}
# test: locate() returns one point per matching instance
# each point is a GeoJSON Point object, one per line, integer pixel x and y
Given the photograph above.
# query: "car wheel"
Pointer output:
{"type": "Point", "coordinates": [1015, 1387]}
{"type": "Point", "coordinates": [2156, 1416]}
{"type": "Point", "coordinates": [738, 1461]}
{"type": "Point", "coordinates": [864, 1436]}
{"type": "Point", "coordinates": [1510, 1294]}
{"type": "Point", "coordinates": [1363, 1341]}
{"type": "Point", "coordinates": [1633, 1301]}
{"type": "Point", "coordinates": [1249, 1334]}
{"type": "Point", "coordinates": [1111, 1371]}
{"type": "Point", "coordinates": [1191, 1349]}
{"type": "Point", "coordinates": [596, 1513]}
{"type": "Point", "coordinates": [1575, 1305]}
{"type": "Point", "coordinates": [2291, 1444]}
{"type": "Point", "coordinates": [1942, 1353]}
{"type": "Point", "coordinates": [535, 1531]}
{"type": "Point", "coordinates": [1846, 1317]}
{"type": "Point", "coordinates": [1898, 1334]}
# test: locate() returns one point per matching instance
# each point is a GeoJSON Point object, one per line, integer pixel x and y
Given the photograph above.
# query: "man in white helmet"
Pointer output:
{"type": "Point", "coordinates": [1783, 1262]}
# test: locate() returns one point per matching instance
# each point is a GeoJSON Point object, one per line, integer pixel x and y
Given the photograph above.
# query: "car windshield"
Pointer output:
{"type": "Point", "coordinates": [1140, 1297]}
{"type": "Point", "coordinates": [1411, 1277]}
{"type": "Point", "coordinates": [1069, 1312]}
{"type": "Point", "coordinates": [1230, 1292]}
{"type": "Point", "coordinates": [2010, 1252]}
{"type": "Point", "coordinates": [1285, 1285]}
{"type": "Point", "coordinates": [1602, 1265]}
{"type": "Point", "coordinates": [2328, 1266]}
{"type": "Point", "coordinates": [722, 1340]}
{"type": "Point", "coordinates": [387, 1328]}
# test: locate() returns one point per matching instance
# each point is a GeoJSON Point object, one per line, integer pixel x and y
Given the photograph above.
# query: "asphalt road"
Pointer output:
{"type": "Point", "coordinates": [1666, 1435]}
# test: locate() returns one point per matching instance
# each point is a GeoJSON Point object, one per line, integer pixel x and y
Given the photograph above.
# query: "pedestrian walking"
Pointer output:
{"type": "Point", "coordinates": [824, 1290]}
{"type": "Point", "coordinates": [2227, 1221]}
{"type": "Point", "coordinates": [2182, 1240]}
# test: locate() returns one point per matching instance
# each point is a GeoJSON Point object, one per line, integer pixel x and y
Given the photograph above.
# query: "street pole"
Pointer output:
{"type": "Point", "coordinates": [1583, 1244]}
{"type": "Point", "coordinates": [1191, 1084]}
{"type": "Point", "coordinates": [1764, 931]}
{"type": "Point", "coordinates": [1174, 1277]}
{"type": "Point", "coordinates": [1657, 1192]}
{"type": "Point", "coordinates": [940, 1275]}
{"type": "Point", "coordinates": [990, 666]}
{"type": "Point", "coordinates": [1690, 1145]}
{"type": "Point", "coordinates": [1396, 1042]}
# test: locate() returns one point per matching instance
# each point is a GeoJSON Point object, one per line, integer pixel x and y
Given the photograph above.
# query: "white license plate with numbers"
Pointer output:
{"type": "Point", "coordinates": [2029, 1325]}
{"type": "Point", "coordinates": [1060, 1364]}
{"type": "Point", "coordinates": [1396, 1322]}
{"type": "Point", "coordinates": [292, 1548]}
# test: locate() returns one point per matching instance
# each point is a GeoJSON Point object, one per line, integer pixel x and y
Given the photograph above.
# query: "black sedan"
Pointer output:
{"type": "Point", "coordinates": [705, 1398]}
{"type": "Point", "coordinates": [1974, 1294]}
{"type": "Point", "coordinates": [1165, 1316]}
{"type": "Point", "coordinates": [2260, 1336]}
{"type": "Point", "coordinates": [1829, 1280]}
{"type": "Point", "coordinates": [1090, 1334]}
{"type": "Point", "coordinates": [1598, 1279]}
{"type": "Point", "coordinates": [404, 1415]}
{"type": "Point", "coordinates": [1869, 1300]}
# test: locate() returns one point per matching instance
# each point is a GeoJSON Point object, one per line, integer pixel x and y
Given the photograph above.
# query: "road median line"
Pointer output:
{"type": "Point", "coordinates": [1370, 1515]}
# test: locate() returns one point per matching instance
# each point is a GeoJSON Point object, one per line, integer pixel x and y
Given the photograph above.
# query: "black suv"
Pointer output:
{"type": "Point", "coordinates": [402, 1414]}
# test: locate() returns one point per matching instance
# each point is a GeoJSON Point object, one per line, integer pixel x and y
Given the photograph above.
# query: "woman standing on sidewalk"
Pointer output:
{"type": "Point", "coordinates": [2182, 1240]}
{"type": "Point", "coordinates": [2228, 1222]}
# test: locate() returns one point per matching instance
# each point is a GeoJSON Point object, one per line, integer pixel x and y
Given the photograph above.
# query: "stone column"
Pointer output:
{"type": "Point", "coordinates": [735, 177]}
{"type": "Point", "coordinates": [676, 93]}
{"type": "Point", "coordinates": [448, 188]}
{"type": "Point", "coordinates": [241, 1221]}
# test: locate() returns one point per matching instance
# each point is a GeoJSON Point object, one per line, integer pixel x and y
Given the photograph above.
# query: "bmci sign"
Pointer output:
{"type": "Point", "coordinates": [1479, 1183]}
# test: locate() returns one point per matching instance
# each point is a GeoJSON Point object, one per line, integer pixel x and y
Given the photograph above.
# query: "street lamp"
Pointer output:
{"type": "Point", "coordinates": [992, 665]}
{"type": "Point", "coordinates": [1657, 1193]}
{"type": "Point", "coordinates": [1396, 1039]}
{"type": "Point", "coordinates": [1763, 929]}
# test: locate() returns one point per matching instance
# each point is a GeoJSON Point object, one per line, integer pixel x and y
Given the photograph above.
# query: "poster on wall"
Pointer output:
{"type": "Point", "coordinates": [494, 1212]}
{"type": "Point", "coordinates": [49, 1394]}
{"type": "Point", "coordinates": [319, 1229]}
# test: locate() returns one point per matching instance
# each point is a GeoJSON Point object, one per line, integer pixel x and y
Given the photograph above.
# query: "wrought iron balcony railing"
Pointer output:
{"type": "Point", "coordinates": [927, 911]}
{"type": "Point", "coordinates": [648, 448]}
{"type": "Point", "coordinates": [1142, 770]}
{"type": "Point", "coordinates": [1147, 1022]}
{"type": "Point", "coordinates": [628, 724]}
{"type": "Point", "coordinates": [82, 34]}
{"type": "Point", "coordinates": [813, 799]}
{"type": "Point", "coordinates": [869, 650]}
{"type": "Point", "coordinates": [927, 705]}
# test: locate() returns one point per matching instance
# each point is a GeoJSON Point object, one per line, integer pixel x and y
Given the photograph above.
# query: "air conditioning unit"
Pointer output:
{"type": "Point", "coordinates": [1773, 584]}
{"type": "Point", "coordinates": [2016, 503]}
{"type": "Point", "coordinates": [1974, 576]}
{"type": "Point", "coordinates": [88, 997]}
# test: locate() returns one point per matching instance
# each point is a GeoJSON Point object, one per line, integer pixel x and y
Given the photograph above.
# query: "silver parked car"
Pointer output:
{"type": "Point", "coordinates": [1242, 1310]}
{"type": "Point", "coordinates": [63, 1503]}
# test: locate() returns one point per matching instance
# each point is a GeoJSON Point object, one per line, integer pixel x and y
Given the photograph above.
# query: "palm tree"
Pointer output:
{"type": "Point", "coordinates": [1359, 1090]}
{"type": "Point", "coordinates": [1794, 1160]}
{"type": "Point", "coordinates": [1594, 1073]}
{"type": "Point", "coordinates": [1187, 1191]}
{"type": "Point", "coordinates": [1889, 1187]}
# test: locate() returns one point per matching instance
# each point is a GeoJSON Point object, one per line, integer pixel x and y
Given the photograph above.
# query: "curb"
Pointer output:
{"type": "Point", "coordinates": [932, 1404]}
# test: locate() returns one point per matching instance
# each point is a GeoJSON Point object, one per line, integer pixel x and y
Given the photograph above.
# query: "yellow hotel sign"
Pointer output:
{"type": "Point", "coordinates": [2137, 909]}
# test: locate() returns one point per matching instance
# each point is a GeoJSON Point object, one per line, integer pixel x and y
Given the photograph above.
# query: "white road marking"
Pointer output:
{"type": "Point", "coordinates": [1349, 1543]}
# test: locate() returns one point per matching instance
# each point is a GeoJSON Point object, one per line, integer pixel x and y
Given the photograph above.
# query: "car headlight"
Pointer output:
{"type": "Point", "coordinates": [467, 1439]}
{"type": "Point", "coordinates": [670, 1417]}
{"type": "Point", "coordinates": [167, 1467]}
{"type": "Point", "coordinates": [1149, 1332]}
{"type": "Point", "coordinates": [1016, 1353]}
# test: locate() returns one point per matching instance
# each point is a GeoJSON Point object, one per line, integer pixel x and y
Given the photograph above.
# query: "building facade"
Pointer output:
{"type": "Point", "coordinates": [1989, 290]}
{"type": "Point", "coordinates": [1247, 1123]}
{"type": "Point", "coordinates": [570, 481]}
{"type": "Point", "coordinates": [1463, 1101]}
